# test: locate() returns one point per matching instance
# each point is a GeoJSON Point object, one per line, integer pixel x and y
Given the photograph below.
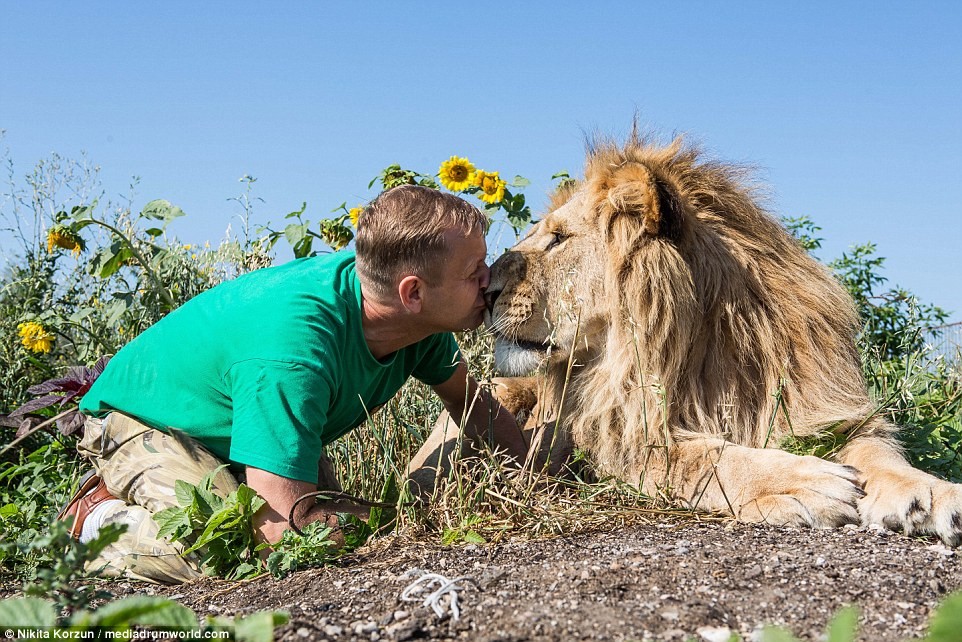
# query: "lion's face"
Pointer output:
{"type": "Point", "coordinates": [546, 293]}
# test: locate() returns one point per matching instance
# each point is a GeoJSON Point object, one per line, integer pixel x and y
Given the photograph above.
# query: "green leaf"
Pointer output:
{"type": "Point", "coordinates": [174, 523]}
{"type": "Point", "coordinates": [297, 213]}
{"type": "Point", "coordinates": [154, 232]}
{"type": "Point", "coordinates": [209, 534]}
{"type": "Point", "coordinates": [79, 225]}
{"type": "Point", "coordinates": [27, 612]}
{"type": "Point", "coordinates": [776, 634]}
{"type": "Point", "coordinates": [114, 259]}
{"type": "Point", "coordinates": [81, 314]}
{"type": "Point", "coordinates": [78, 212]}
{"type": "Point", "coordinates": [947, 620]}
{"type": "Point", "coordinates": [843, 625]}
{"type": "Point", "coordinates": [246, 571]}
{"type": "Point", "coordinates": [142, 610]}
{"type": "Point", "coordinates": [295, 232]}
{"type": "Point", "coordinates": [114, 310]}
{"type": "Point", "coordinates": [303, 247]}
{"type": "Point", "coordinates": [259, 627]}
{"type": "Point", "coordinates": [247, 497]}
{"type": "Point", "coordinates": [209, 503]}
{"type": "Point", "coordinates": [184, 492]}
{"type": "Point", "coordinates": [472, 537]}
{"type": "Point", "coordinates": [520, 181]}
{"type": "Point", "coordinates": [521, 219]}
{"type": "Point", "coordinates": [450, 536]}
{"type": "Point", "coordinates": [161, 210]}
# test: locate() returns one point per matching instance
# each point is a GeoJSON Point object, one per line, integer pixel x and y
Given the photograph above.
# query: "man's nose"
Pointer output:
{"type": "Point", "coordinates": [485, 277]}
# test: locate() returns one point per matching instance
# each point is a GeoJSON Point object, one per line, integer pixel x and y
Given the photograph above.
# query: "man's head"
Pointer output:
{"type": "Point", "coordinates": [435, 238]}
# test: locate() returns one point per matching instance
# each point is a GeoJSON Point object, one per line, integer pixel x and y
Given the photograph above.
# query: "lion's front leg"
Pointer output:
{"type": "Point", "coordinates": [762, 484]}
{"type": "Point", "coordinates": [519, 395]}
{"type": "Point", "coordinates": [901, 497]}
{"type": "Point", "coordinates": [549, 447]}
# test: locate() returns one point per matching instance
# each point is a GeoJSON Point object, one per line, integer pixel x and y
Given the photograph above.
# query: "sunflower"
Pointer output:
{"type": "Point", "coordinates": [492, 187]}
{"type": "Point", "coordinates": [457, 174]}
{"type": "Point", "coordinates": [62, 236]}
{"type": "Point", "coordinates": [35, 337]}
{"type": "Point", "coordinates": [335, 233]}
{"type": "Point", "coordinates": [354, 214]}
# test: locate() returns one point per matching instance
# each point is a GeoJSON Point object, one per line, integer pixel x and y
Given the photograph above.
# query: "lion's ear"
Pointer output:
{"type": "Point", "coordinates": [633, 191]}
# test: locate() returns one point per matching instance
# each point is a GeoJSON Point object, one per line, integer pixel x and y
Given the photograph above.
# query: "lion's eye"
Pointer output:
{"type": "Point", "coordinates": [557, 238]}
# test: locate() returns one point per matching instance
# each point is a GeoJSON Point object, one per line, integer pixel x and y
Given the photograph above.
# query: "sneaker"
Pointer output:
{"type": "Point", "coordinates": [92, 491]}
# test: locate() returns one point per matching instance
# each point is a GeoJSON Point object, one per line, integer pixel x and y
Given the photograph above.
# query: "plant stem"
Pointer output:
{"type": "Point", "coordinates": [25, 435]}
{"type": "Point", "coordinates": [164, 292]}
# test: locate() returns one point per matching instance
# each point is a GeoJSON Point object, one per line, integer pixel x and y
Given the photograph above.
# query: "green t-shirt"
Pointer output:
{"type": "Point", "coordinates": [266, 369]}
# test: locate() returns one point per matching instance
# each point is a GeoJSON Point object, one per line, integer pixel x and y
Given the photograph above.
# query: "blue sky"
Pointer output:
{"type": "Point", "coordinates": [850, 111]}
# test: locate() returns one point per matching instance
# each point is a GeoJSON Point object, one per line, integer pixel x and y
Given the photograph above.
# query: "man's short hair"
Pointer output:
{"type": "Point", "coordinates": [402, 232]}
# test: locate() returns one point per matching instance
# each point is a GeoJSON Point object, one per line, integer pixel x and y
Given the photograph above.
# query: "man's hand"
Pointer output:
{"type": "Point", "coordinates": [280, 493]}
{"type": "Point", "coordinates": [461, 389]}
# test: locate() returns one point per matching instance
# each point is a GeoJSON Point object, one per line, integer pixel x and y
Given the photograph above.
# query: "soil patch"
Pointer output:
{"type": "Point", "coordinates": [660, 580]}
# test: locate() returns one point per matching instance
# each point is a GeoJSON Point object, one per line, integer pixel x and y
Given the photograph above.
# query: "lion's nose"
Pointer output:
{"type": "Point", "coordinates": [490, 296]}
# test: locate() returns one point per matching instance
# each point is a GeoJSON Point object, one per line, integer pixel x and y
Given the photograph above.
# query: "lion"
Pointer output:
{"type": "Point", "coordinates": [679, 333]}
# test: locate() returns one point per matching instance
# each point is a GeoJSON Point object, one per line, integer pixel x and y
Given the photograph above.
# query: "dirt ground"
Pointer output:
{"type": "Point", "coordinates": [658, 580]}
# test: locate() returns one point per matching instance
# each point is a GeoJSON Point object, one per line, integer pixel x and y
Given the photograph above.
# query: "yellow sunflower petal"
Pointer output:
{"type": "Point", "coordinates": [456, 174]}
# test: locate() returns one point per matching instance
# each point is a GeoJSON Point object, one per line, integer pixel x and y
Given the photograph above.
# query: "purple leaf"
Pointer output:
{"type": "Point", "coordinates": [9, 422]}
{"type": "Point", "coordinates": [71, 423]}
{"type": "Point", "coordinates": [24, 427]}
{"type": "Point", "coordinates": [100, 365]}
{"type": "Point", "coordinates": [36, 404]}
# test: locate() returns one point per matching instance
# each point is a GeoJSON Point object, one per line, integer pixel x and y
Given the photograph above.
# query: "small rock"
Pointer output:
{"type": "Point", "coordinates": [714, 633]}
{"type": "Point", "coordinates": [405, 630]}
{"type": "Point", "coordinates": [753, 572]}
{"type": "Point", "coordinates": [304, 633]}
{"type": "Point", "coordinates": [905, 606]}
{"type": "Point", "coordinates": [669, 614]}
{"type": "Point", "coordinates": [820, 561]}
{"type": "Point", "coordinates": [360, 627]}
{"type": "Point", "coordinates": [401, 615]}
{"type": "Point", "coordinates": [941, 549]}
{"type": "Point", "coordinates": [470, 548]}
{"type": "Point", "coordinates": [333, 630]}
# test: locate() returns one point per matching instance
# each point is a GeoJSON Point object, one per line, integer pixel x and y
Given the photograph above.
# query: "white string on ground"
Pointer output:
{"type": "Point", "coordinates": [425, 583]}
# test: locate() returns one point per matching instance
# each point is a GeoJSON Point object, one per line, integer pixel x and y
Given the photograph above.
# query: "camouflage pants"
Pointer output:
{"type": "Point", "coordinates": [139, 465]}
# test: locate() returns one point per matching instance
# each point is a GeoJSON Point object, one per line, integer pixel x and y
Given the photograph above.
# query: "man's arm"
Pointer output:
{"type": "Point", "coordinates": [280, 493]}
{"type": "Point", "coordinates": [461, 389]}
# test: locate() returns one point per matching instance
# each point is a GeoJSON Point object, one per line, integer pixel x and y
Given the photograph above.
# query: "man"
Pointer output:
{"type": "Point", "coordinates": [263, 371]}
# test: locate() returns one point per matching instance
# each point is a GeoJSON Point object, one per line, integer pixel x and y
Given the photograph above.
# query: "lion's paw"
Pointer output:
{"type": "Point", "coordinates": [813, 492]}
{"type": "Point", "coordinates": [915, 503]}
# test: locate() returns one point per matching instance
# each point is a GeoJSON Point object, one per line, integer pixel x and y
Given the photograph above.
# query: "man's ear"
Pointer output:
{"type": "Point", "coordinates": [411, 291]}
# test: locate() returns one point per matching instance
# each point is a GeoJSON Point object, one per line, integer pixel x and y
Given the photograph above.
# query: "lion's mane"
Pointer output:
{"type": "Point", "coordinates": [720, 322]}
